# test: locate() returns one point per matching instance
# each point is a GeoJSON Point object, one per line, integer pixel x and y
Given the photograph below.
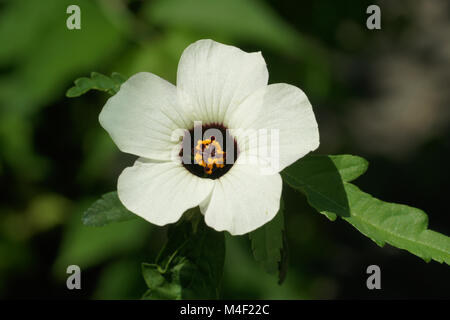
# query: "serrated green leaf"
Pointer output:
{"type": "Point", "coordinates": [161, 288]}
{"type": "Point", "coordinates": [327, 190]}
{"type": "Point", "coordinates": [118, 78]}
{"type": "Point", "coordinates": [399, 225]}
{"type": "Point", "coordinates": [152, 275]}
{"type": "Point", "coordinates": [97, 81]}
{"type": "Point", "coordinates": [106, 210]}
{"type": "Point", "coordinates": [190, 266]}
{"type": "Point", "coordinates": [184, 280]}
{"type": "Point", "coordinates": [102, 81]}
{"type": "Point", "coordinates": [319, 175]}
{"type": "Point", "coordinates": [267, 242]}
{"type": "Point", "coordinates": [348, 167]}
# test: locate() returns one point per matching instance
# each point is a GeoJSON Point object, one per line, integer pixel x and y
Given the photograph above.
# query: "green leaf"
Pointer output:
{"type": "Point", "coordinates": [320, 175]}
{"type": "Point", "coordinates": [327, 190]}
{"type": "Point", "coordinates": [159, 286]}
{"type": "Point", "coordinates": [183, 281]}
{"type": "Point", "coordinates": [118, 78]}
{"type": "Point", "coordinates": [190, 266]}
{"type": "Point", "coordinates": [97, 81]}
{"type": "Point", "coordinates": [399, 225]}
{"type": "Point", "coordinates": [267, 242]}
{"type": "Point", "coordinates": [106, 210]}
{"type": "Point", "coordinates": [311, 167]}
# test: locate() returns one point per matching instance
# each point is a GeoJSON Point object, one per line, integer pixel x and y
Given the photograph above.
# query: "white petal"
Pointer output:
{"type": "Point", "coordinates": [216, 78]}
{"type": "Point", "coordinates": [277, 108]}
{"type": "Point", "coordinates": [143, 115]}
{"type": "Point", "coordinates": [160, 192]}
{"type": "Point", "coordinates": [243, 200]}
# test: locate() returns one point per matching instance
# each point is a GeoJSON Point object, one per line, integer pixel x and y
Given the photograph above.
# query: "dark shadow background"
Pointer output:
{"type": "Point", "coordinates": [381, 94]}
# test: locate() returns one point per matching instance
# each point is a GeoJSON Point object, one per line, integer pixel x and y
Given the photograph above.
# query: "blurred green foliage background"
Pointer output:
{"type": "Point", "coordinates": [380, 94]}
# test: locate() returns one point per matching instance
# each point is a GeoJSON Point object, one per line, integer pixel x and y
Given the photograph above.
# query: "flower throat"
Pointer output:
{"type": "Point", "coordinates": [208, 151]}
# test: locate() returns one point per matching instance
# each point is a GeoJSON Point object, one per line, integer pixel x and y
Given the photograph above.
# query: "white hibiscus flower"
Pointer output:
{"type": "Point", "coordinates": [222, 87]}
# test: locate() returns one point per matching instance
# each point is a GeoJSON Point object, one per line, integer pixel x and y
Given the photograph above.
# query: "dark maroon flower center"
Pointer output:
{"type": "Point", "coordinates": [208, 151]}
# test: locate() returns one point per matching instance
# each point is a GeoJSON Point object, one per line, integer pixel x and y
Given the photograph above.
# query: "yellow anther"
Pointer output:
{"type": "Point", "coordinates": [211, 149]}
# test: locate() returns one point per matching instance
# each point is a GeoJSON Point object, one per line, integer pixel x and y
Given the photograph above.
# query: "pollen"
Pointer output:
{"type": "Point", "coordinates": [209, 155]}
